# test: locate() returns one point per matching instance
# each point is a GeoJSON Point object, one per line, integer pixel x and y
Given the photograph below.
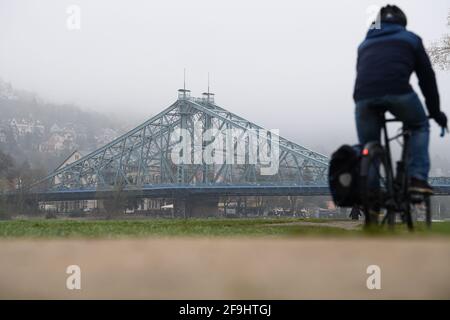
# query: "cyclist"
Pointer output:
{"type": "Point", "coordinates": [386, 59]}
{"type": "Point", "coordinates": [355, 213]}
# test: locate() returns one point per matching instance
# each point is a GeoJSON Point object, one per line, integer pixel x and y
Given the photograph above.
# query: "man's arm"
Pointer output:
{"type": "Point", "coordinates": [427, 80]}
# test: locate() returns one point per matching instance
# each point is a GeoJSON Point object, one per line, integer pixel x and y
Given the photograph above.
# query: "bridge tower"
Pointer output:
{"type": "Point", "coordinates": [183, 96]}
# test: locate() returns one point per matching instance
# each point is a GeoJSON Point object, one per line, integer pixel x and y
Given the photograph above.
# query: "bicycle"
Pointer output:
{"type": "Point", "coordinates": [381, 189]}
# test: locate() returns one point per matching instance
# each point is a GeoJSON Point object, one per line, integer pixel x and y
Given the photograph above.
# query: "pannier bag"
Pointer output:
{"type": "Point", "coordinates": [343, 175]}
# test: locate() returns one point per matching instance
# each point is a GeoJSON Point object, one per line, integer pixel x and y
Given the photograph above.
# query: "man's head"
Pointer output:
{"type": "Point", "coordinates": [393, 14]}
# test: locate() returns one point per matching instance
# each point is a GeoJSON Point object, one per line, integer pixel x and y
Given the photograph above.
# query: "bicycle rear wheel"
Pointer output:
{"type": "Point", "coordinates": [376, 185]}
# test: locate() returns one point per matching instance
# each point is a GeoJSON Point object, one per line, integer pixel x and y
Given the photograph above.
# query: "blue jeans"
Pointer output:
{"type": "Point", "coordinates": [407, 108]}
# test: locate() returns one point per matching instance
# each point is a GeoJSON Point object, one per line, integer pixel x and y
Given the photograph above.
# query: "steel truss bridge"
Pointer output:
{"type": "Point", "coordinates": [140, 162]}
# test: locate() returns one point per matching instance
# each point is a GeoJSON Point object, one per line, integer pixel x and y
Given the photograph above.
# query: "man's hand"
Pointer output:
{"type": "Point", "coordinates": [441, 119]}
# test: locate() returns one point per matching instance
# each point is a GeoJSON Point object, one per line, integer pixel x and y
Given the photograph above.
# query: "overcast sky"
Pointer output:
{"type": "Point", "coordinates": [282, 64]}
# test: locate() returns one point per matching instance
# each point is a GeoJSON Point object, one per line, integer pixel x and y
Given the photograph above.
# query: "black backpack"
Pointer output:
{"type": "Point", "coordinates": [343, 176]}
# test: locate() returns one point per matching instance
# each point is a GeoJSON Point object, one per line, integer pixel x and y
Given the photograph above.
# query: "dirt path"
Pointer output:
{"type": "Point", "coordinates": [225, 268]}
{"type": "Point", "coordinates": [347, 225]}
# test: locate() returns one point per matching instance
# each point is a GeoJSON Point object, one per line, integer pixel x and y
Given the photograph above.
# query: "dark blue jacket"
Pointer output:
{"type": "Point", "coordinates": [387, 58]}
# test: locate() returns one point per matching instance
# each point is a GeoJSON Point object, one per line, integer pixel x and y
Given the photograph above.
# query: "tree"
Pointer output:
{"type": "Point", "coordinates": [18, 179]}
{"type": "Point", "coordinates": [6, 164]}
{"type": "Point", "coordinates": [117, 202]}
{"type": "Point", "coordinates": [6, 169]}
{"type": "Point", "coordinates": [26, 175]}
{"type": "Point", "coordinates": [440, 51]}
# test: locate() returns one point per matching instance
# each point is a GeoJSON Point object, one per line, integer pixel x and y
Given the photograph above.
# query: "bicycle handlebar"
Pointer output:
{"type": "Point", "coordinates": [443, 129]}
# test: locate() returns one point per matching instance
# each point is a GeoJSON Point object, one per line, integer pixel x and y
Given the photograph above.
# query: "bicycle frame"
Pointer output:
{"type": "Point", "coordinates": [400, 178]}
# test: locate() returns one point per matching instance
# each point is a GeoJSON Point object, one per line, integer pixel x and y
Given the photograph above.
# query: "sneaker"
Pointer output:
{"type": "Point", "coordinates": [420, 186]}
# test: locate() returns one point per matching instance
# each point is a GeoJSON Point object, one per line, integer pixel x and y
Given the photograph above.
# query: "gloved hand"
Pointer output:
{"type": "Point", "coordinates": [441, 119]}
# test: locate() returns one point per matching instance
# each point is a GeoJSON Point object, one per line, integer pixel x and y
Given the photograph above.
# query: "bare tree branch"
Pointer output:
{"type": "Point", "coordinates": [440, 51]}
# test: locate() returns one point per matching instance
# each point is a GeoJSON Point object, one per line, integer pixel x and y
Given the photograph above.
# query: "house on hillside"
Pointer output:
{"type": "Point", "coordinates": [106, 136]}
{"type": "Point", "coordinates": [7, 91]}
{"type": "Point", "coordinates": [23, 127]}
{"type": "Point", "coordinates": [74, 156]}
{"type": "Point", "coordinates": [55, 128]}
{"type": "Point", "coordinates": [3, 137]}
{"type": "Point", "coordinates": [59, 141]}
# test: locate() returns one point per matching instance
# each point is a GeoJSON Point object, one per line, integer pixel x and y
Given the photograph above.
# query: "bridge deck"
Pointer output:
{"type": "Point", "coordinates": [171, 191]}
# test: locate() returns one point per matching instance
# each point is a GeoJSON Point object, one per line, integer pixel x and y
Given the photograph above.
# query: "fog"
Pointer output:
{"type": "Point", "coordinates": [282, 64]}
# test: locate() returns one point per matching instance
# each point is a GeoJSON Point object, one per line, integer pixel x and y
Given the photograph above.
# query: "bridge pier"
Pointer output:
{"type": "Point", "coordinates": [196, 207]}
